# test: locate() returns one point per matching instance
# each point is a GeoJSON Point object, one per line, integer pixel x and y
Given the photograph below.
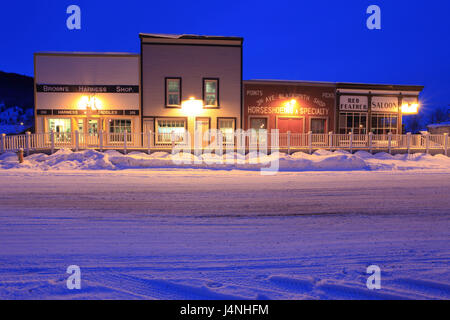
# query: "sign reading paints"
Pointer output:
{"type": "Point", "coordinates": [384, 104]}
{"type": "Point", "coordinates": [354, 103]}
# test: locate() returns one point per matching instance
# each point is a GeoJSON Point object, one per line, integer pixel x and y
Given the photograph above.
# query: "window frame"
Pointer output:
{"type": "Point", "coordinates": [114, 137]}
{"type": "Point", "coordinates": [61, 137]}
{"type": "Point", "coordinates": [319, 118]}
{"type": "Point", "coordinates": [64, 118]}
{"type": "Point", "coordinates": [166, 92]}
{"type": "Point", "coordinates": [156, 124]}
{"type": "Point", "coordinates": [227, 118]}
{"type": "Point", "coordinates": [348, 129]}
{"type": "Point", "coordinates": [217, 105]}
{"type": "Point", "coordinates": [385, 129]}
{"type": "Point", "coordinates": [258, 118]}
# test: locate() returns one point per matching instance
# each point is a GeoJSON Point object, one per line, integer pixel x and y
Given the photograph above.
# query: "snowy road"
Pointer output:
{"type": "Point", "coordinates": [199, 234]}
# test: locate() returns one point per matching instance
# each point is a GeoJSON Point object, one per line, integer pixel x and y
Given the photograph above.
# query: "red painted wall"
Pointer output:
{"type": "Point", "coordinates": [281, 101]}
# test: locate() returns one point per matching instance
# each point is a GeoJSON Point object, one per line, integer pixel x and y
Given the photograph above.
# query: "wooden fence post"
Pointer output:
{"type": "Point", "coordinates": [310, 142]}
{"type": "Point", "coordinates": [330, 140]}
{"type": "Point", "coordinates": [2, 143]}
{"type": "Point", "coordinates": [370, 142]}
{"type": "Point", "coordinates": [390, 142]}
{"type": "Point", "coordinates": [149, 141]}
{"type": "Point", "coordinates": [20, 155]}
{"type": "Point", "coordinates": [351, 142]}
{"type": "Point", "coordinates": [77, 140]}
{"type": "Point", "coordinates": [288, 142]}
{"type": "Point", "coordinates": [446, 144]}
{"type": "Point", "coordinates": [52, 142]}
{"type": "Point", "coordinates": [100, 140]}
{"type": "Point", "coordinates": [427, 142]}
{"type": "Point", "coordinates": [408, 142]}
{"type": "Point", "coordinates": [27, 142]}
{"type": "Point", "coordinates": [172, 139]}
{"type": "Point", "coordinates": [125, 137]}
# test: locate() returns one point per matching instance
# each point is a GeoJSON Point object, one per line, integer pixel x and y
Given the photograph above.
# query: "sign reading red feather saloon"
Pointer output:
{"type": "Point", "coordinates": [385, 104]}
{"type": "Point", "coordinates": [270, 104]}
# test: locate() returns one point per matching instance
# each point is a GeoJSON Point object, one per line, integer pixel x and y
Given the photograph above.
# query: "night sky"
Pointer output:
{"type": "Point", "coordinates": [293, 40]}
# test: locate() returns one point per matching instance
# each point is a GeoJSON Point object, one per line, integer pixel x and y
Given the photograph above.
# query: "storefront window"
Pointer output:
{"type": "Point", "coordinates": [383, 123]}
{"type": "Point", "coordinates": [60, 125]}
{"type": "Point", "coordinates": [117, 128]}
{"type": "Point", "coordinates": [318, 125]}
{"type": "Point", "coordinates": [165, 128]}
{"type": "Point", "coordinates": [80, 124]}
{"type": "Point", "coordinates": [227, 127]}
{"type": "Point", "coordinates": [355, 122]}
{"type": "Point", "coordinates": [93, 127]}
{"type": "Point", "coordinates": [210, 92]}
{"type": "Point", "coordinates": [258, 124]}
{"type": "Point", "coordinates": [173, 92]}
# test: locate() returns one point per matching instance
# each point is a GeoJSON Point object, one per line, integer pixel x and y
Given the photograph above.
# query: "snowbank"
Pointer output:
{"type": "Point", "coordinates": [321, 160]}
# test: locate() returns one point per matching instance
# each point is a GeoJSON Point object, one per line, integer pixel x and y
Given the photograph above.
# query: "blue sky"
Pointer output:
{"type": "Point", "coordinates": [320, 40]}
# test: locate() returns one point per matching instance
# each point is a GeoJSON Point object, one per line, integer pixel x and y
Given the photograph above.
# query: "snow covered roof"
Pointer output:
{"type": "Point", "coordinates": [188, 36]}
{"type": "Point", "coordinates": [378, 86]}
{"type": "Point", "coordinates": [77, 53]}
{"type": "Point", "coordinates": [293, 82]}
{"type": "Point", "coordinates": [341, 85]}
{"type": "Point", "coordinates": [439, 125]}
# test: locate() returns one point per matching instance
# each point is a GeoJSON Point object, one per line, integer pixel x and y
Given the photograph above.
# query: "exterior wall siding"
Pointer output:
{"type": "Point", "coordinates": [191, 64]}
{"type": "Point", "coordinates": [268, 100]}
{"type": "Point", "coordinates": [83, 69]}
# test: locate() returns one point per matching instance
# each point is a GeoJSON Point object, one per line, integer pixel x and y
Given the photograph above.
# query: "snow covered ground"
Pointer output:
{"type": "Point", "coordinates": [321, 160]}
{"type": "Point", "coordinates": [216, 234]}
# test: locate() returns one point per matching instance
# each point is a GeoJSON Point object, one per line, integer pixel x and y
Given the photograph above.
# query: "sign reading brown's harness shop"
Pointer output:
{"type": "Point", "coordinates": [62, 88]}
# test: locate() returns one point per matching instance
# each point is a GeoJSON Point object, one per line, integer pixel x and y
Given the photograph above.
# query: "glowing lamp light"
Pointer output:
{"type": "Point", "coordinates": [289, 106]}
{"type": "Point", "coordinates": [410, 108]}
{"type": "Point", "coordinates": [89, 103]}
{"type": "Point", "coordinates": [192, 106]}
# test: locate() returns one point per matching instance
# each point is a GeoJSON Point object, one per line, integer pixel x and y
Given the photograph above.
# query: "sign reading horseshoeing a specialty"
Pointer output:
{"type": "Point", "coordinates": [354, 103]}
{"type": "Point", "coordinates": [384, 104]}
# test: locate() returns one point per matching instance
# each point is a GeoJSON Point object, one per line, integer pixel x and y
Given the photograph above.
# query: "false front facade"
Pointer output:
{"type": "Point", "coordinates": [190, 83]}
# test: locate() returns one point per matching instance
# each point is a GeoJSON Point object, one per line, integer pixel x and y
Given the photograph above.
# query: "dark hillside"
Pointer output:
{"type": "Point", "coordinates": [16, 90]}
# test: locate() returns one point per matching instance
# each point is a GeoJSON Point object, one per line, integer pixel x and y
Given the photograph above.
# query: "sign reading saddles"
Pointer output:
{"type": "Point", "coordinates": [62, 88]}
{"type": "Point", "coordinates": [72, 112]}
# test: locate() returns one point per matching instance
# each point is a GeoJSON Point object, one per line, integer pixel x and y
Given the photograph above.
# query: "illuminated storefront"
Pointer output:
{"type": "Point", "coordinates": [182, 84]}
{"type": "Point", "coordinates": [191, 84]}
{"type": "Point", "coordinates": [290, 106]}
{"type": "Point", "coordinates": [94, 92]}
{"type": "Point", "coordinates": [375, 108]}
{"type": "Point", "coordinates": [321, 107]}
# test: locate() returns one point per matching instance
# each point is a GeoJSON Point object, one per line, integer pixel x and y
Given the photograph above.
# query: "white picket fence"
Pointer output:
{"type": "Point", "coordinates": [240, 141]}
